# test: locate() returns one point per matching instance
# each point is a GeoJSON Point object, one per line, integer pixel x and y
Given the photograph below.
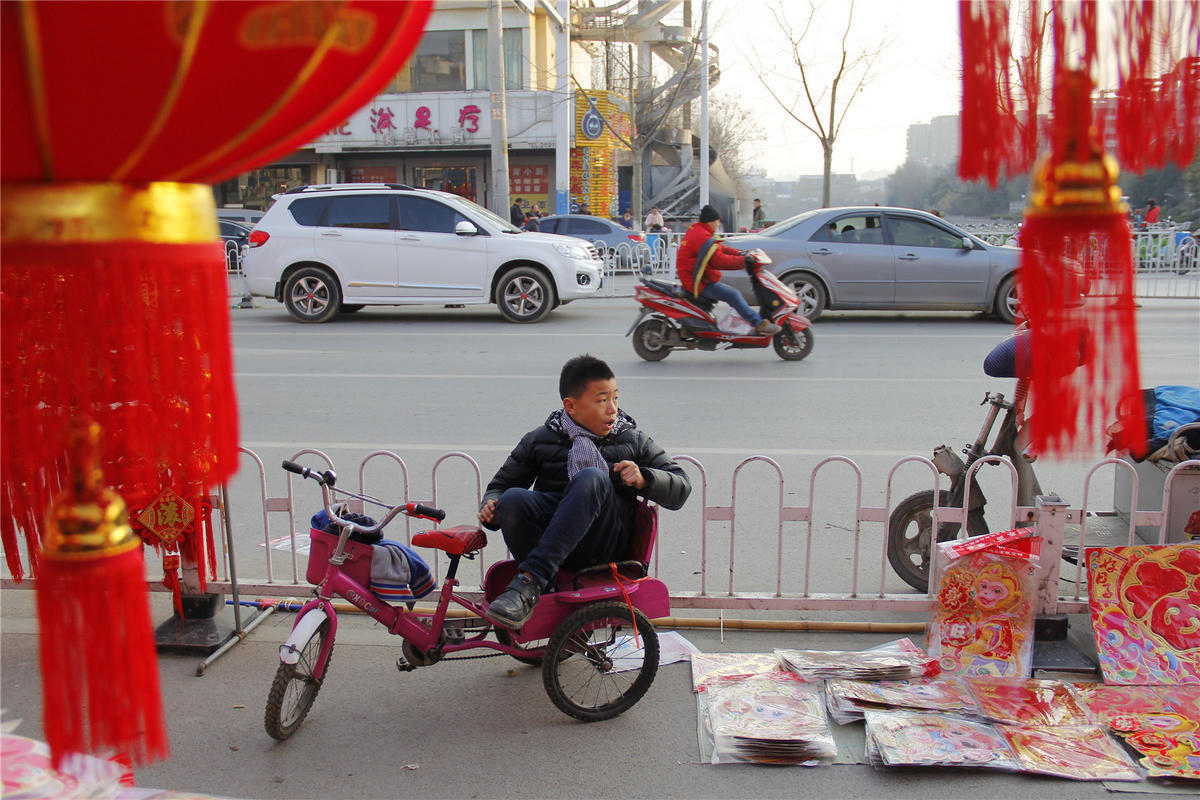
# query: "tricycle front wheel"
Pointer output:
{"type": "Point", "coordinates": [295, 687]}
{"type": "Point", "coordinates": [599, 661]}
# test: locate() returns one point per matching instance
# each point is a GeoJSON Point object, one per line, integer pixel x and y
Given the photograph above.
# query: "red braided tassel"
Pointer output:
{"type": "Point", "coordinates": [99, 664]}
{"type": "Point", "coordinates": [1076, 287]}
{"type": "Point", "coordinates": [97, 650]}
{"type": "Point", "coordinates": [988, 130]}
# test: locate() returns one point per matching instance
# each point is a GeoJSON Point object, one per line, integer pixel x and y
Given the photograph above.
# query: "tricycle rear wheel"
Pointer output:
{"type": "Point", "coordinates": [578, 667]}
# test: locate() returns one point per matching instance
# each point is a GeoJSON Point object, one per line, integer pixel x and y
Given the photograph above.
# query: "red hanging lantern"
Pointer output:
{"type": "Point", "coordinates": [113, 306]}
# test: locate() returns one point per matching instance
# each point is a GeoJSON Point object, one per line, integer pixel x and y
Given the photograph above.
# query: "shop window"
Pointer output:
{"type": "Point", "coordinates": [514, 58]}
{"type": "Point", "coordinates": [456, 180]}
{"type": "Point", "coordinates": [255, 189]}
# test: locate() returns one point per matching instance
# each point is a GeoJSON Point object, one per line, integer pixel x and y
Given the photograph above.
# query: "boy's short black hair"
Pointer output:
{"type": "Point", "coordinates": [579, 372]}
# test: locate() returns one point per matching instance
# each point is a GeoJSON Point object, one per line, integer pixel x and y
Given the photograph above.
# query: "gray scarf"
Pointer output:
{"type": "Point", "coordinates": [584, 452]}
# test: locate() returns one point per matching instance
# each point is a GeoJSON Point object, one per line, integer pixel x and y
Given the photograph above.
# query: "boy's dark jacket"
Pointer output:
{"type": "Point", "coordinates": [539, 461]}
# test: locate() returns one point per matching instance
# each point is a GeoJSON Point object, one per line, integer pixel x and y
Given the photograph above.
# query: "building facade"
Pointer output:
{"type": "Point", "coordinates": [431, 126]}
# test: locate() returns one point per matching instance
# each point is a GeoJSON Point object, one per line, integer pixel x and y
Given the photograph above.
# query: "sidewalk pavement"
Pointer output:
{"type": "Point", "coordinates": [479, 728]}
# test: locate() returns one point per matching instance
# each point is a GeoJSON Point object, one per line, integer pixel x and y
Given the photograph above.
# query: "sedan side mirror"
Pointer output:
{"type": "Point", "coordinates": [465, 228]}
{"type": "Point", "coordinates": [967, 243]}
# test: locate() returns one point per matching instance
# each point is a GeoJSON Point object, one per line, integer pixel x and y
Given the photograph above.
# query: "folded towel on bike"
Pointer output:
{"type": "Point", "coordinates": [398, 573]}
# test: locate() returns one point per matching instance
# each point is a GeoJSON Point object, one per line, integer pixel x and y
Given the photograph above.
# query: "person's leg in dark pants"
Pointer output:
{"type": "Point", "coordinates": [585, 527]}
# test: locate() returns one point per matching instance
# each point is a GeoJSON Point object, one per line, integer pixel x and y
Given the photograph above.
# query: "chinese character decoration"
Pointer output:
{"type": "Point", "coordinates": [176, 527]}
{"type": "Point", "coordinates": [383, 119]}
{"type": "Point", "coordinates": [1075, 284]}
{"type": "Point", "coordinates": [422, 118]}
{"type": "Point", "coordinates": [469, 114]}
{"type": "Point", "coordinates": [114, 320]}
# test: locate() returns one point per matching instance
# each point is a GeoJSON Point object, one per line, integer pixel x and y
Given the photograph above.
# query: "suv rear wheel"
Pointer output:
{"type": "Point", "coordinates": [312, 294]}
{"type": "Point", "coordinates": [524, 295]}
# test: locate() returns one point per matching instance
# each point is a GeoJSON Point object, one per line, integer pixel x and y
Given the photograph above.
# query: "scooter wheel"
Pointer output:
{"type": "Point", "coordinates": [650, 340]}
{"type": "Point", "coordinates": [793, 345]}
{"type": "Point", "coordinates": [910, 529]}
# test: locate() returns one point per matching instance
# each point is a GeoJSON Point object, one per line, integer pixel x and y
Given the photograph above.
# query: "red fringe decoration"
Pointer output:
{"type": "Point", "coordinates": [134, 335]}
{"type": "Point", "coordinates": [1071, 405]}
{"type": "Point", "coordinates": [1155, 53]}
{"type": "Point", "coordinates": [1158, 117]}
{"type": "Point", "coordinates": [170, 565]}
{"type": "Point", "coordinates": [97, 651]}
{"type": "Point", "coordinates": [988, 129]}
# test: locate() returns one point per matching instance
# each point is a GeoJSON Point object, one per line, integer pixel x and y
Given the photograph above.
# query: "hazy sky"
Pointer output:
{"type": "Point", "coordinates": [916, 77]}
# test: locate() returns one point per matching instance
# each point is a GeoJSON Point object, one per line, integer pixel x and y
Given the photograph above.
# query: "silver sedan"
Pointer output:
{"type": "Point", "coordinates": [884, 258]}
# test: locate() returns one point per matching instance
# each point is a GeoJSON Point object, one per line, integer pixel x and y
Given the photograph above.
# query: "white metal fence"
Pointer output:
{"type": "Point", "coordinates": [1166, 259]}
{"type": "Point", "coordinates": [757, 551]}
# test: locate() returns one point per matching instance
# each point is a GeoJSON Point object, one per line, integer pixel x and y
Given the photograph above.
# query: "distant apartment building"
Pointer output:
{"type": "Point", "coordinates": [934, 143]}
{"type": "Point", "coordinates": [783, 198]}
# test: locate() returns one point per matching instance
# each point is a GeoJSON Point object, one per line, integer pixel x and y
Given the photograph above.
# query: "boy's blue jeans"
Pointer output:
{"type": "Point", "coordinates": [584, 525]}
{"type": "Point", "coordinates": [721, 291]}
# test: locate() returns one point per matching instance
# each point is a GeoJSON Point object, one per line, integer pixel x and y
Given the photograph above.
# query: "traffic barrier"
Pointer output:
{"type": "Point", "coordinates": [793, 539]}
{"type": "Point", "coordinates": [281, 529]}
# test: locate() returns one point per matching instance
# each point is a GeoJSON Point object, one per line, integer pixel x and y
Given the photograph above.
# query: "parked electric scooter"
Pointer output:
{"type": "Point", "coordinates": [672, 318]}
{"type": "Point", "coordinates": [910, 525]}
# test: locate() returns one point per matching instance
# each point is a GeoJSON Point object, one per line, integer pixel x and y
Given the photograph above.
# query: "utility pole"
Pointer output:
{"type": "Point", "coordinates": [703, 103]}
{"type": "Point", "coordinates": [564, 113]}
{"type": "Point", "coordinates": [500, 198]}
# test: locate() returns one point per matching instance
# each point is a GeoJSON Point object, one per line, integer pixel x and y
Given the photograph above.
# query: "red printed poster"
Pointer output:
{"type": "Point", "coordinates": [1145, 607]}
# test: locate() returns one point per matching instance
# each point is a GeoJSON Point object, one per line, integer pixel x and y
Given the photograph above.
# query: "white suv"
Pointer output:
{"type": "Point", "coordinates": [321, 250]}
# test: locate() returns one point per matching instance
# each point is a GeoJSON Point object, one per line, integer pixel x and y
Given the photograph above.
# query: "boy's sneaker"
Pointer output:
{"type": "Point", "coordinates": [768, 328]}
{"type": "Point", "coordinates": [514, 606]}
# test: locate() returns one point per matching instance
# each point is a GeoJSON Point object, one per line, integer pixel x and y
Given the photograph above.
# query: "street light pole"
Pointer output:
{"type": "Point", "coordinates": [499, 194]}
{"type": "Point", "coordinates": [564, 113]}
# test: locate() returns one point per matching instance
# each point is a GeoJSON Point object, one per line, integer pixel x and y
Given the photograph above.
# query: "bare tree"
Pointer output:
{"type": "Point", "coordinates": [819, 106]}
{"type": "Point", "coordinates": [731, 128]}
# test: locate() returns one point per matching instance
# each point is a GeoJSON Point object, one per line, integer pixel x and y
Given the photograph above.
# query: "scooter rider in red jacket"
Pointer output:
{"type": "Point", "coordinates": [701, 260]}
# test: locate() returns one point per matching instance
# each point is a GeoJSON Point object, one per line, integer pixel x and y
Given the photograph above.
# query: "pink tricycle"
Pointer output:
{"type": "Point", "coordinates": [592, 636]}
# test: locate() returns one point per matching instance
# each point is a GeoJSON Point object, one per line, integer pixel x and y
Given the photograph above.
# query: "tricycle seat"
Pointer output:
{"type": "Point", "coordinates": [456, 541]}
{"type": "Point", "coordinates": [632, 564]}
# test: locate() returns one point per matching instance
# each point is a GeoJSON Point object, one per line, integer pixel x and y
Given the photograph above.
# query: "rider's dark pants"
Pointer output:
{"type": "Point", "coordinates": [584, 525]}
{"type": "Point", "coordinates": [722, 291]}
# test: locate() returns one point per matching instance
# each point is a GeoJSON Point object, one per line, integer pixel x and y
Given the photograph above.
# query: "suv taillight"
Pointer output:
{"type": "Point", "coordinates": [258, 238]}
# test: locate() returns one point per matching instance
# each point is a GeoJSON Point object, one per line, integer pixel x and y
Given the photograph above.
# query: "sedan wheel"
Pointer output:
{"type": "Point", "coordinates": [1008, 305]}
{"type": "Point", "coordinates": [810, 292]}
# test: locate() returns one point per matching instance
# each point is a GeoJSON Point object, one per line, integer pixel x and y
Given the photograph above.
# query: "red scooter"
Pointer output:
{"type": "Point", "coordinates": [671, 318]}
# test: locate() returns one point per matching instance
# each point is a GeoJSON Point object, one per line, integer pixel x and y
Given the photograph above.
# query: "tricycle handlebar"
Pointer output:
{"type": "Point", "coordinates": [328, 478]}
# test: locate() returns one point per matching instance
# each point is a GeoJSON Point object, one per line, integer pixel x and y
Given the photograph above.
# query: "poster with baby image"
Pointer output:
{"type": "Point", "coordinates": [983, 622]}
